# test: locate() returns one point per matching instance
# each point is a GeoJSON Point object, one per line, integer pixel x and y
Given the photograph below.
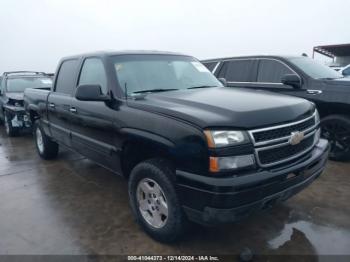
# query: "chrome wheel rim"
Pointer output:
{"type": "Point", "coordinates": [152, 203]}
{"type": "Point", "coordinates": [39, 140]}
{"type": "Point", "coordinates": [7, 127]}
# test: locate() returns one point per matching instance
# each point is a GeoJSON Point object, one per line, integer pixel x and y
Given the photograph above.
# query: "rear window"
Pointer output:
{"type": "Point", "coordinates": [21, 83]}
{"type": "Point", "coordinates": [237, 70]}
{"type": "Point", "coordinates": [210, 65]}
{"type": "Point", "coordinates": [66, 78]}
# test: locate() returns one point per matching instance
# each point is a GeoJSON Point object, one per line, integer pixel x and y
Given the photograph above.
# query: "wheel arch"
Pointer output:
{"type": "Point", "coordinates": [33, 112]}
{"type": "Point", "coordinates": [327, 109]}
{"type": "Point", "coordinates": [140, 145]}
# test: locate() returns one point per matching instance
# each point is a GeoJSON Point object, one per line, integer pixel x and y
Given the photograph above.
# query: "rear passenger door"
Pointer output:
{"type": "Point", "coordinates": [92, 122]}
{"type": "Point", "coordinates": [59, 101]}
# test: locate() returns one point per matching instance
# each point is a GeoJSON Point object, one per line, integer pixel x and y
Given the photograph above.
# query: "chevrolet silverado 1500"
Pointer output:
{"type": "Point", "coordinates": [191, 149]}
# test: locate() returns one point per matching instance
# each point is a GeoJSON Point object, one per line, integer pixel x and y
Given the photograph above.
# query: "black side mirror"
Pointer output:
{"type": "Point", "coordinates": [291, 80]}
{"type": "Point", "coordinates": [223, 81]}
{"type": "Point", "coordinates": [346, 72]}
{"type": "Point", "coordinates": [91, 93]}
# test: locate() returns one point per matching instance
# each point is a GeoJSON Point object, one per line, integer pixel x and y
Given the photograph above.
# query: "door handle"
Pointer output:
{"type": "Point", "coordinates": [73, 110]}
{"type": "Point", "coordinates": [314, 92]}
{"type": "Point", "coordinates": [52, 105]}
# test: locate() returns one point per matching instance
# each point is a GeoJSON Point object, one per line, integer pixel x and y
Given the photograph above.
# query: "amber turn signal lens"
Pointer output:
{"type": "Point", "coordinates": [209, 137]}
{"type": "Point", "coordinates": [213, 164]}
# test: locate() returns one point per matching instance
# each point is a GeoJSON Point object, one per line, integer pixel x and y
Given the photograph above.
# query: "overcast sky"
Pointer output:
{"type": "Point", "coordinates": [36, 34]}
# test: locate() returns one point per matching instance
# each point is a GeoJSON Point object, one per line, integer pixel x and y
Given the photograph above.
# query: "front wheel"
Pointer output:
{"type": "Point", "coordinates": [46, 148]}
{"type": "Point", "coordinates": [154, 201]}
{"type": "Point", "coordinates": [9, 128]}
{"type": "Point", "coordinates": [336, 129]}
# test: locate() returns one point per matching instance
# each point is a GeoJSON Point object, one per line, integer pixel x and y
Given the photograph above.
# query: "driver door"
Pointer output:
{"type": "Point", "coordinates": [92, 122]}
{"type": "Point", "coordinates": [269, 75]}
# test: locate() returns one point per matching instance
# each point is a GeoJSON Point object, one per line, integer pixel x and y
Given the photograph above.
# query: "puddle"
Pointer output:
{"type": "Point", "coordinates": [325, 239]}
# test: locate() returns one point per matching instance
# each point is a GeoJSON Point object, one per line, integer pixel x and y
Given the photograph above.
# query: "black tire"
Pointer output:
{"type": "Point", "coordinates": [48, 149]}
{"type": "Point", "coordinates": [336, 129]}
{"type": "Point", "coordinates": [10, 130]}
{"type": "Point", "coordinates": [158, 170]}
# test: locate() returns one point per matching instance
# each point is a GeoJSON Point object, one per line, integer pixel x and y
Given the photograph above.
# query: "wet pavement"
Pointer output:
{"type": "Point", "coordinates": [73, 206]}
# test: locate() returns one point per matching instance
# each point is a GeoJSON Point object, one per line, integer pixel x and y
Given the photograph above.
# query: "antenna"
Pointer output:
{"type": "Point", "coordinates": [126, 91]}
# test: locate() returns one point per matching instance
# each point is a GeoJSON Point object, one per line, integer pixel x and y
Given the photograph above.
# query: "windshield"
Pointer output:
{"type": "Point", "coordinates": [314, 68]}
{"type": "Point", "coordinates": [20, 84]}
{"type": "Point", "coordinates": [142, 73]}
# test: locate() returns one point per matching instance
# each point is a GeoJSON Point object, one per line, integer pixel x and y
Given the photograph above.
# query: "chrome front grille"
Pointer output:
{"type": "Point", "coordinates": [281, 152]}
{"type": "Point", "coordinates": [273, 147]}
{"type": "Point", "coordinates": [281, 132]}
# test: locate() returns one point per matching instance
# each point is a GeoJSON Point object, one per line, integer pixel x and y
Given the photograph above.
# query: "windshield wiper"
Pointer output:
{"type": "Point", "coordinates": [154, 90]}
{"type": "Point", "coordinates": [203, 86]}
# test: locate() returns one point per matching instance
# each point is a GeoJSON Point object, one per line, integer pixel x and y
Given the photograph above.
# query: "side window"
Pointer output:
{"type": "Point", "coordinates": [237, 70]}
{"type": "Point", "coordinates": [66, 77]}
{"type": "Point", "coordinates": [210, 65]}
{"type": "Point", "coordinates": [271, 71]}
{"type": "Point", "coordinates": [93, 73]}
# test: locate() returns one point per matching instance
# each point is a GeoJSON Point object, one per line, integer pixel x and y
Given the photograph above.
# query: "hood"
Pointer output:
{"type": "Point", "coordinates": [340, 81]}
{"type": "Point", "coordinates": [226, 107]}
{"type": "Point", "coordinates": [15, 96]}
{"type": "Point", "coordinates": [340, 84]}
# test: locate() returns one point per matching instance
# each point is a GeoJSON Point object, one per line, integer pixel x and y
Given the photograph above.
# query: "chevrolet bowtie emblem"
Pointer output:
{"type": "Point", "coordinates": [296, 138]}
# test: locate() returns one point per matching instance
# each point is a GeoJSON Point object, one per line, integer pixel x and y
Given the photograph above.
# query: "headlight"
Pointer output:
{"type": "Point", "coordinates": [221, 138]}
{"type": "Point", "coordinates": [218, 164]}
{"type": "Point", "coordinates": [317, 117]}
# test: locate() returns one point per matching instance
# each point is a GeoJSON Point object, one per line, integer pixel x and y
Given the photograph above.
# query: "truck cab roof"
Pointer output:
{"type": "Point", "coordinates": [123, 52]}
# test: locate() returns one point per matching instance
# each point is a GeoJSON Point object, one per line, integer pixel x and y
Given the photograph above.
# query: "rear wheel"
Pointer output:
{"type": "Point", "coordinates": [154, 201]}
{"type": "Point", "coordinates": [46, 148]}
{"type": "Point", "coordinates": [336, 129]}
{"type": "Point", "coordinates": [10, 130]}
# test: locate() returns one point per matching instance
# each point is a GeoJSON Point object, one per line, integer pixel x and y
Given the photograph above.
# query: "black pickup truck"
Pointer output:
{"type": "Point", "coordinates": [297, 76]}
{"type": "Point", "coordinates": [12, 86]}
{"type": "Point", "coordinates": [191, 149]}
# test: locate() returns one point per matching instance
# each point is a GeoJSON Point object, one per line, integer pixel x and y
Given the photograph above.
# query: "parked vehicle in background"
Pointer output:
{"type": "Point", "coordinates": [12, 87]}
{"type": "Point", "coordinates": [190, 148]}
{"type": "Point", "coordinates": [345, 71]}
{"type": "Point", "coordinates": [296, 76]}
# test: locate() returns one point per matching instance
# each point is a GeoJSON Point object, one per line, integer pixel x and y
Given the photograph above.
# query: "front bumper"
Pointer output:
{"type": "Point", "coordinates": [210, 200]}
{"type": "Point", "coordinates": [18, 117]}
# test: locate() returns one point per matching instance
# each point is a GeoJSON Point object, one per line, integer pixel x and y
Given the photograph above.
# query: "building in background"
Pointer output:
{"type": "Point", "coordinates": [338, 55]}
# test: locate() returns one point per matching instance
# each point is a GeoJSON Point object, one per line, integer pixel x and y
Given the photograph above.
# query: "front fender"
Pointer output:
{"type": "Point", "coordinates": [32, 107]}
{"type": "Point", "coordinates": [147, 137]}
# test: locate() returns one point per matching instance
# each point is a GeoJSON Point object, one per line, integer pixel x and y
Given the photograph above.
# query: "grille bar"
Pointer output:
{"type": "Point", "coordinates": [285, 152]}
{"type": "Point", "coordinates": [272, 145]}
{"type": "Point", "coordinates": [275, 134]}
